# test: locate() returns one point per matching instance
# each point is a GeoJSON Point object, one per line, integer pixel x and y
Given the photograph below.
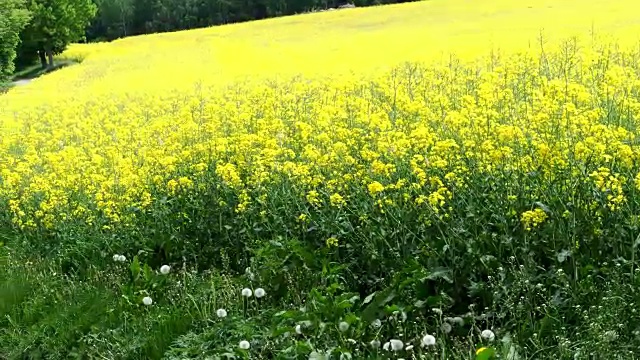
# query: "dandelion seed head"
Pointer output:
{"type": "Point", "coordinates": [259, 292]}
{"type": "Point", "coordinates": [428, 340]}
{"type": "Point", "coordinates": [221, 313]}
{"type": "Point", "coordinates": [343, 326]}
{"type": "Point", "coordinates": [446, 328]}
{"type": "Point", "coordinates": [488, 335]}
{"type": "Point", "coordinates": [164, 269]}
{"type": "Point", "coordinates": [396, 345]}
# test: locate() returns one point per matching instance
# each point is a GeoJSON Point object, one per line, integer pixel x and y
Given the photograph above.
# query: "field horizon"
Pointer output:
{"type": "Point", "coordinates": [417, 32]}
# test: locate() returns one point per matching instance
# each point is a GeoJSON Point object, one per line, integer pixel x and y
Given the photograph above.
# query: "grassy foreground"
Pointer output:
{"type": "Point", "coordinates": [326, 204]}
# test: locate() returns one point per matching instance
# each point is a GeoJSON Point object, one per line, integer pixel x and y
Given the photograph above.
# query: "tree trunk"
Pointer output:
{"type": "Point", "coordinates": [50, 57]}
{"type": "Point", "coordinates": [43, 59]}
{"type": "Point", "coordinates": [124, 22]}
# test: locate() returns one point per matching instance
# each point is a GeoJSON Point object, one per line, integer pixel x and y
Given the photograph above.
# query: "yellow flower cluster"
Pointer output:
{"type": "Point", "coordinates": [610, 185]}
{"type": "Point", "coordinates": [533, 218]}
{"type": "Point", "coordinates": [332, 242]}
{"type": "Point", "coordinates": [97, 142]}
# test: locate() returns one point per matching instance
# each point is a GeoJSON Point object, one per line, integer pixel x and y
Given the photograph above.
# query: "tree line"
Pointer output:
{"type": "Point", "coordinates": [38, 29]}
{"type": "Point", "coordinates": [119, 18]}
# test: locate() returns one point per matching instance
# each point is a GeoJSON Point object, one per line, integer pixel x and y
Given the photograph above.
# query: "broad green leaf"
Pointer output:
{"type": "Point", "coordinates": [485, 353]}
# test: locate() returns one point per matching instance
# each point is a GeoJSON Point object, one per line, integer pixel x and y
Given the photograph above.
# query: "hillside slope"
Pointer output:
{"type": "Point", "coordinates": [329, 42]}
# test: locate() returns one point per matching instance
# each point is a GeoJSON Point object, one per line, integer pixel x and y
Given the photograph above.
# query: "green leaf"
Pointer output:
{"type": "Point", "coordinates": [369, 298]}
{"type": "Point", "coordinates": [282, 330]}
{"type": "Point", "coordinates": [441, 274]}
{"type": "Point", "coordinates": [351, 318]}
{"type": "Point", "coordinates": [148, 274]}
{"type": "Point", "coordinates": [344, 304]}
{"type": "Point", "coordinates": [391, 309]}
{"type": "Point", "coordinates": [485, 353]}
{"type": "Point", "coordinates": [371, 311]}
{"type": "Point", "coordinates": [135, 268]}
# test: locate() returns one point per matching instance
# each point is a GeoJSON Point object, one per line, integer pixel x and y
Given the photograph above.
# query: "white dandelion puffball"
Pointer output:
{"type": "Point", "coordinates": [376, 323]}
{"type": "Point", "coordinates": [222, 313]}
{"type": "Point", "coordinates": [437, 311]}
{"type": "Point", "coordinates": [246, 292]}
{"type": "Point", "coordinates": [610, 335]}
{"type": "Point", "coordinates": [164, 269]}
{"type": "Point", "coordinates": [147, 300]}
{"type": "Point", "coordinates": [259, 292]}
{"type": "Point", "coordinates": [299, 329]}
{"type": "Point", "coordinates": [244, 345]}
{"type": "Point", "coordinates": [122, 258]}
{"type": "Point", "coordinates": [488, 335]}
{"type": "Point", "coordinates": [385, 347]}
{"type": "Point", "coordinates": [116, 257]}
{"type": "Point", "coordinates": [396, 345]}
{"type": "Point", "coordinates": [446, 328]}
{"type": "Point", "coordinates": [458, 321]}
{"type": "Point", "coordinates": [343, 326]}
{"type": "Point", "coordinates": [428, 340]}
{"type": "Point", "coordinates": [375, 344]}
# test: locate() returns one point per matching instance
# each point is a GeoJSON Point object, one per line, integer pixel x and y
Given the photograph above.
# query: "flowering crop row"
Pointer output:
{"type": "Point", "coordinates": [405, 138]}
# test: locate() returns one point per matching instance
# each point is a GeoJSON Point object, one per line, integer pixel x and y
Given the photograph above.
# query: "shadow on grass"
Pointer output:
{"type": "Point", "coordinates": [36, 70]}
{"type": "Point", "coordinates": [25, 75]}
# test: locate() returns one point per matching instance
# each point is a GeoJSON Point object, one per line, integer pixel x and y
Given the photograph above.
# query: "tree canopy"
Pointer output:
{"type": "Point", "coordinates": [13, 17]}
{"type": "Point", "coordinates": [55, 24]}
{"type": "Point", "coordinates": [119, 18]}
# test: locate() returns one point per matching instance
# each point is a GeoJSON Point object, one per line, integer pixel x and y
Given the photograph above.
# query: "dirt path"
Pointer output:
{"type": "Point", "coordinates": [21, 82]}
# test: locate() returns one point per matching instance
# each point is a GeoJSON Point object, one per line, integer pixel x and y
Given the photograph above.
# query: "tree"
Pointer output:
{"type": "Point", "coordinates": [118, 18]}
{"type": "Point", "coordinates": [55, 24]}
{"type": "Point", "coordinates": [114, 19]}
{"type": "Point", "coordinates": [13, 18]}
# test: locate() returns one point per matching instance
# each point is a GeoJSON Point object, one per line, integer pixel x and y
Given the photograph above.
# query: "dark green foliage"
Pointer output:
{"type": "Point", "coordinates": [13, 18]}
{"type": "Point", "coordinates": [54, 24]}
{"type": "Point", "coordinates": [119, 18]}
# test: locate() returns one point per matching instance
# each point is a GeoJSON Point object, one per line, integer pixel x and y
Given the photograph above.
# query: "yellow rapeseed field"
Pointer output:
{"type": "Point", "coordinates": [329, 103]}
